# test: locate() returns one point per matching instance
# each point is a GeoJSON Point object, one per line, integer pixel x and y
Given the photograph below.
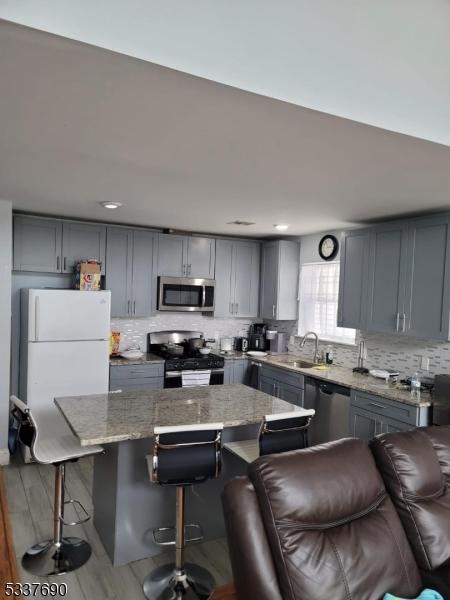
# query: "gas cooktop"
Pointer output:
{"type": "Point", "coordinates": [189, 360]}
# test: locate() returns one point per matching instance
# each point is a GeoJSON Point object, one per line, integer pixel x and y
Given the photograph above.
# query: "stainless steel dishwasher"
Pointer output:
{"type": "Point", "coordinates": [332, 405]}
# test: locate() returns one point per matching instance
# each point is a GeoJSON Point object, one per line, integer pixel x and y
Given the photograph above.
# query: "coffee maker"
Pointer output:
{"type": "Point", "coordinates": [257, 336]}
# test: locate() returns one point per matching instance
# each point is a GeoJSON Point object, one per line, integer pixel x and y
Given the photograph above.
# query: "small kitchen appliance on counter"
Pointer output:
{"type": "Point", "coordinates": [241, 344]}
{"type": "Point", "coordinates": [277, 343]}
{"type": "Point", "coordinates": [441, 400]}
{"type": "Point", "coordinates": [257, 336]}
{"type": "Point", "coordinates": [162, 343]}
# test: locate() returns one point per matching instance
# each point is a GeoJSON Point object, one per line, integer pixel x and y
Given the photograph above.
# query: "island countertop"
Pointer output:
{"type": "Point", "coordinates": [117, 417]}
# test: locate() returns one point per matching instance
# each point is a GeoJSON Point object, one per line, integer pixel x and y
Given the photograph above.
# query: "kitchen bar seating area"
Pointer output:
{"type": "Point", "coordinates": [225, 300]}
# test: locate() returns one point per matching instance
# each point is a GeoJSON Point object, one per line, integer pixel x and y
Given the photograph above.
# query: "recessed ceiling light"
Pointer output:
{"type": "Point", "coordinates": [245, 223]}
{"type": "Point", "coordinates": [111, 205]}
{"type": "Point", "coordinates": [281, 227]}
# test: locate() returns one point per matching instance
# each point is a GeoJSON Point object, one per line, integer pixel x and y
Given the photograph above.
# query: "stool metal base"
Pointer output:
{"type": "Point", "coordinates": [194, 583]}
{"type": "Point", "coordinates": [46, 558]}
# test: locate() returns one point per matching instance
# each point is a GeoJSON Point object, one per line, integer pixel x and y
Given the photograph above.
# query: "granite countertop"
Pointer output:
{"type": "Point", "coordinates": [235, 356]}
{"type": "Point", "coordinates": [345, 376]}
{"type": "Point", "coordinates": [115, 361]}
{"type": "Point", "coordinates": [108, 418]}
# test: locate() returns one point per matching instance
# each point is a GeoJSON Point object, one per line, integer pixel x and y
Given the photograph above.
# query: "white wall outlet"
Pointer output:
{"type": "Point", "coordinates": [424, 363]}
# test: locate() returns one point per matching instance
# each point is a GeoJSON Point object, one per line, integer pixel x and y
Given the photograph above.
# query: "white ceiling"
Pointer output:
{"type": "Point", "coordinates": [81, 125]}
{"type": "Point", "coordinates": [380, 62]}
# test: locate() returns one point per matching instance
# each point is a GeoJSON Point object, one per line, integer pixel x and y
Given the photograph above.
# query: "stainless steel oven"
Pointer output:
{"type": "Point", "coordinates": [172, 379]}
{"type": "Point", "coordinates": [186, 294]}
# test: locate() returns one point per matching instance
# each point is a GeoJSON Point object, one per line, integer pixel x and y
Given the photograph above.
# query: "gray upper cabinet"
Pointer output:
{"type": "Point", "coordinates": [171, 261]}
{"type": "Point", "coordinates": [119, 269]}
{"type": "Point", "coordinates": [279, 280]}
{"type": "Point", "coordinates": [129, 271]}
{"type": "Point", "coordinates": [144, 282]}
{"type": "Point", "coordinates": [186, 256]}
{"type": "Point", "coordinates": [237, 278]}
{"type": "Point", "coordinates": [82, 241]}
{"type": "Point", "coordinates": [200, 257]}
{"type": "Point", "coordinates": [37, 244]}
{"type": "Point", "coordinates": [427, 306]}
{"type": "Point", "coordinates": [353, 279]}
{"type": "Point", "coordinates": [387, 277]}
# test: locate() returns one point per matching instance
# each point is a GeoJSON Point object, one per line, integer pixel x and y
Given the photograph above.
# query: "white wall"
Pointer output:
{"type": "Point", "coordinates": [5, 321]}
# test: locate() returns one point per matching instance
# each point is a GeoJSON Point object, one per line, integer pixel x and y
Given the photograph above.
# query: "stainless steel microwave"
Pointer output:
{"type": "Point", "coordinates": [186, 294]}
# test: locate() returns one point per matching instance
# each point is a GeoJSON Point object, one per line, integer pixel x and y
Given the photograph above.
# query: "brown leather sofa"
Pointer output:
{"type": "Point", "coordinates": [415, 467]}
{"type": "Point", "coordinates": [317, 524]}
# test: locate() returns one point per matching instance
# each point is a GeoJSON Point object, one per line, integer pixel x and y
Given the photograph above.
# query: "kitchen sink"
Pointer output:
{"type": "Point", "coordinates": [299, 364]}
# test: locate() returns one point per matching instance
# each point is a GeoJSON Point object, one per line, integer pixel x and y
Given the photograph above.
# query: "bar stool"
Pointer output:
{"type": "Point", "coordinates": [60, 554]}
{"type": "Point", "coordinates": [182, 456]}
{"type": "Point", "coordinates": [280, 432]}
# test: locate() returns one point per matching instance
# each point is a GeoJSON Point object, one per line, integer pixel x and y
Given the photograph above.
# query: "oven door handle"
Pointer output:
{"type": "Point", "coordinates": [173, 374]}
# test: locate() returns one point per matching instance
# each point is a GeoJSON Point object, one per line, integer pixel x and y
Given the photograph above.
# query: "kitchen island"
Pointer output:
{"type": "Point", "coordinates": [127, 507]}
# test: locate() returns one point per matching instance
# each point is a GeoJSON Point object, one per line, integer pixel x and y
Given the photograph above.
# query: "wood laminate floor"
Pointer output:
{"type": "Point", "coordinates": [29, 491]}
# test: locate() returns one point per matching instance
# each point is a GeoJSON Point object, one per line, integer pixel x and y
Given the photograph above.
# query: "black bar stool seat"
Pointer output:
{"type": "Point", "coordinates": [182, 456]}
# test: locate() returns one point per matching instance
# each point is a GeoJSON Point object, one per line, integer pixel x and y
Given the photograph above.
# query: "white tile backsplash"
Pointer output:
{"type": "Point", "coordinates": [383, 350]}
{"type": "Point", "coordinates": [134, 331]}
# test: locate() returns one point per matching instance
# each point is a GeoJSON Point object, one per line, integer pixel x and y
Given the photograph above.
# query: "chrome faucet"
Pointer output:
{"type": "Point", "coordinates": [316, 345]}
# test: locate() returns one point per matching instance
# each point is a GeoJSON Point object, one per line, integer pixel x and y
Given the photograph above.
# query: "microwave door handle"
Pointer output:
{"type": "Point", "coordinates": [203, 296]}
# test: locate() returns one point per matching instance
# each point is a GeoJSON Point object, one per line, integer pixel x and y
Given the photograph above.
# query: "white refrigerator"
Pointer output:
{"type": "Point", "coordinates": [64, 350]}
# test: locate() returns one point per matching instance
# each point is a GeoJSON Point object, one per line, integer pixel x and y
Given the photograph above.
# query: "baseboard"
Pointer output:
{"type": "Point", "coordinates": [4, 457]}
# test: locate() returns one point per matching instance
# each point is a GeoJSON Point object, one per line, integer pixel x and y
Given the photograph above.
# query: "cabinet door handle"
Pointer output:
{"type": "Point", "coordinates": [134, 307]}
{"type": "Point", "coordinates": [273, 310]}
{"type": "Point", "coordinates": [57, 263]}
{"type": "Point", "coordinates": [183, 269]}
{"type": "Point", "coordinates": [377, 405]}
{"type": "Point", "coordinates": [237, 307]}
{"type": "Point", "coordinates": [128, 307]}
{"type": "Point", "coordinates": [398, 321]}
{"type": "Point", "coordinates": [189, 269]}
{"type": "Point", "coordinates": [231, 308]}
{"type": "Point", "coordinates": [65, 264]}
{"type": "Point", "coordinates": [404, 322]}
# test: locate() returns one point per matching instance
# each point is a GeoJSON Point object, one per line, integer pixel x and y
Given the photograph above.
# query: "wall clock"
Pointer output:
{"type": "Point", "coordinates": [328, 247]}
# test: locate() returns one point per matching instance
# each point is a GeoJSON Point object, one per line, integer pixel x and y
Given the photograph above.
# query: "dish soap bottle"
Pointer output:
{"type": "Point", "coordinates": [329, 355]}
{"type": "Point", "coordinates": [415, 386]}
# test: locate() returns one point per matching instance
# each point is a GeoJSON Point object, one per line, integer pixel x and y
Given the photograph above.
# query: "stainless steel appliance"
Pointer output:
{"type": "Point", "coordinates": [257, 336]}
{"type": "Point", "coordinates": [278, 343]}
{"type": "Point", "coordinates": [332, 405]}
{"type": "Point", "coordinates": [186, 294]}
{"type": "Point", "coordinates": [441, 400]}
{"type": "Point", "coordinates": [241, 344]}
{"type": "Point", "coordinates": [190, 360]}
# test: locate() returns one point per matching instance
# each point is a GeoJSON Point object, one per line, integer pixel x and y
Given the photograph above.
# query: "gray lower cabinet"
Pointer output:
{"type": "Point", "coordinates": [371, 415]}
{"type": "Point", "coordinates": [237, 278]}
{"type": "Point", "coordinates": [82, 240]}
{"type": "Point", "coordinates": [279, 280]}
{"type": "Point", "coordinates": [186, 256]}
{"type": "Point", "coordinates": [236, 371]}
{"type": "Point", "coordinates": [354, 260]}
{"type": "Point", "coordinates": [37, 244]}
{"type": "Point", "coordinates": [130, 271]}
{"type": "Point", "coordinates": [130, 378]}
{"type": "Point", "coordinates": [282, 384]}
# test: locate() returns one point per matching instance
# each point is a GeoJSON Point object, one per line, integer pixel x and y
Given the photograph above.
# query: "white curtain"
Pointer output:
{"type": "Point", "coordinates": [318, 303]}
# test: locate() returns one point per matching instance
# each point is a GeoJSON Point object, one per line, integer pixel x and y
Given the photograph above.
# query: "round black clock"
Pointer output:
{"type": "Point", "coordinates": [328, 247]}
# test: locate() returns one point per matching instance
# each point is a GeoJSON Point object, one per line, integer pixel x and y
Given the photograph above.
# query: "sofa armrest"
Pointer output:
{"type": "Point", "coordinates": [251, 559]}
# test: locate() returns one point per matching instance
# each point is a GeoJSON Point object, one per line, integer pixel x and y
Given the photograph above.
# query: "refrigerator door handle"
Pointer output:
{"type": "Point", "coordinates": [36, 318]}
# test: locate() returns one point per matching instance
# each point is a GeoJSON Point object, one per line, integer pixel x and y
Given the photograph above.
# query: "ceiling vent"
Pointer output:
{"type": "Point", "coordinates": [244, 223]}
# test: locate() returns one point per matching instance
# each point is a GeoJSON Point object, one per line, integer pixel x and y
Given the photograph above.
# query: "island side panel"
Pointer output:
{"type": "Point", "coordinates": [104, 496]}
{"type": "Point", "coordinates": [142, 506]}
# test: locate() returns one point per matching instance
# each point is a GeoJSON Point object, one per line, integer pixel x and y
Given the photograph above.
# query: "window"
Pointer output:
{"type": "Point", "coordinates": [318, 303]}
